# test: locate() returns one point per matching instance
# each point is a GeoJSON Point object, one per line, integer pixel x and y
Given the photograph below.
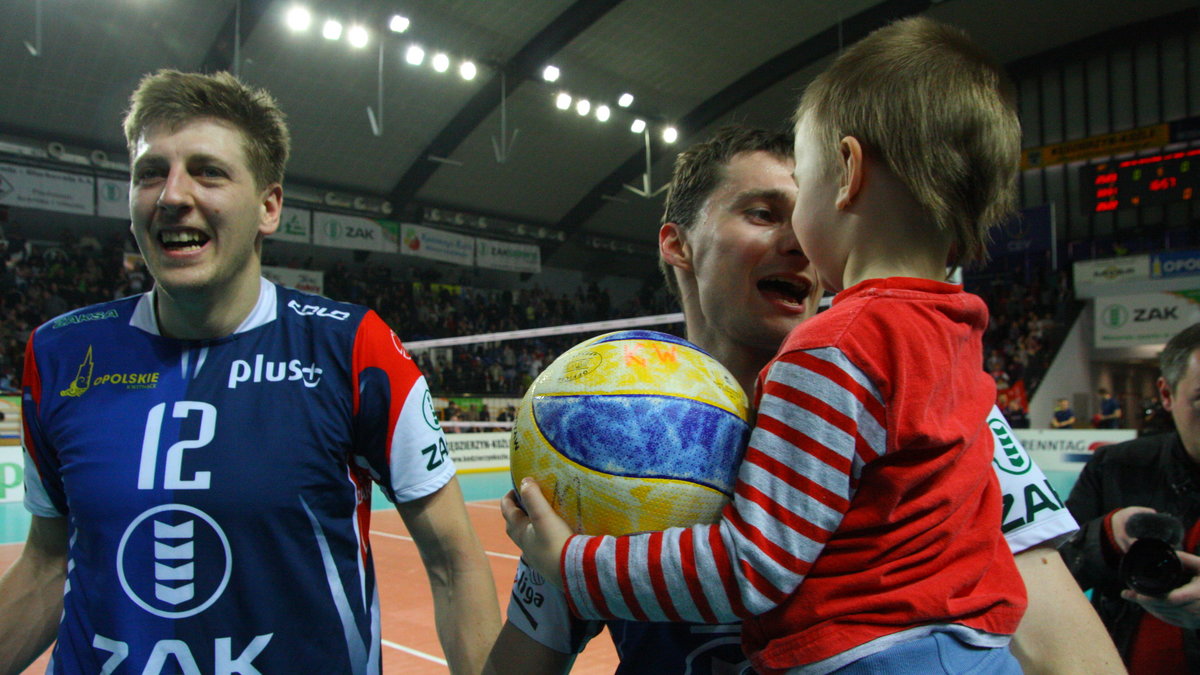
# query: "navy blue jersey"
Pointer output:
{"type": "Point", "coordinates": [217, 492]}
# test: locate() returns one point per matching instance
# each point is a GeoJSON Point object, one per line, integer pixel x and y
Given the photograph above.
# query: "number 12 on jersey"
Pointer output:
{"type": "Point", "coordinates": [172, 471]}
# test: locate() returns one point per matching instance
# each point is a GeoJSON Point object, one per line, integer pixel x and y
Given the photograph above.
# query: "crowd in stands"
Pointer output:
{"type": "Point", "coordinates": [42, 280]}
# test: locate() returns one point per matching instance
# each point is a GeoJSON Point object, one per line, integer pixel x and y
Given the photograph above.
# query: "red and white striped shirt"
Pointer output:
{"type": "Point", "coordinates": [867, 479]}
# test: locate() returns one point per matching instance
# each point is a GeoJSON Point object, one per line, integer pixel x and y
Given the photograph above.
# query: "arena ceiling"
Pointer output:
{"type": "Point", "coordinates": [495, 146]}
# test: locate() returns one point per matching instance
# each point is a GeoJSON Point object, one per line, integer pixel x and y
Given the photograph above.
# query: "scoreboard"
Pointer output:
{"type": "Point", "coordinates": [1141, 181]}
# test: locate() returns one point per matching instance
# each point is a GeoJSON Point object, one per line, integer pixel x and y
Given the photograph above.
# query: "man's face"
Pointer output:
{"type": "Point", "coordinates": [753, 283]}
{"type": "Point", "coordinates": [1184, 405]}
{"type": "Point", "coordinates": [815, 214]}
{"type": "Point", "coordinates": [196, 211]}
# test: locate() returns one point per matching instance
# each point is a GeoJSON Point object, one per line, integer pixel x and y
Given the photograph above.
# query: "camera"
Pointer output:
{"type": "Point", "coordinates": [1151, 566]}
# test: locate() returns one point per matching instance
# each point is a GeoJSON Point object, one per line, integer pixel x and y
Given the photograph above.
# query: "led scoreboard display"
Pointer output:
{"type": "Point", "coordinates": [1141, 181]}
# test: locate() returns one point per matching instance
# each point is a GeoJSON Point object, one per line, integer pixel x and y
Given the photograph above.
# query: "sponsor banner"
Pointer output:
{"type": "Point", "coordinates": [294, 225]}
{"type": "Point", "coordinates": [12, 460]}
{"type": "Point", "coordinates": [361, 234]}
{"type": "Point", "coordinates": [507, 256]}
{"type": "Point", "coordinates": [1028, 231]}
{"type": "Point", "coordinates": [309, 281]}
{"type": "Point", "coordinates": [1113, 270]}
{"type": "Point", "coordinates": [425, 242]}
{"type": "Point", "coordinates": [1146, 319]}
{"type": "Point", "coordinates": [1097, 146]}
{"type": "Point", "coordinates": [33, 188]}
{"type": "Point", "coordinates": [1068, 449]}
{"type": "Point", "coordinates": [112, 198]}
{"type": "Point", "coordinates": [1174, 264]}
{"type": "Point", "coordinates": [479, 452]}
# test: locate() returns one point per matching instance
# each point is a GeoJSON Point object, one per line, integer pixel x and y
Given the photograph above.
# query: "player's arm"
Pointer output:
{"type": "Point", "coordinates": [31, 595]}
{"type": "Point", "coordinates": [516, 652]}
{"type": "Point", "coordinates": [464, 593]}
{"type": "Point", "coordinates": [1060, 632]}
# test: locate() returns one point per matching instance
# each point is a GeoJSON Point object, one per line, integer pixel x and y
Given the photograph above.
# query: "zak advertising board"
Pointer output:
{"type": "Point", "coordinates": [33, 188]}
{"type": "Point", "coordinates": [507, 256]}
{"type": "Point", "coordinates": [112, 198]}
{"type": "Point", "coordinates": [353, 232]}
{"type": "Point", "coordinates": [1145, 319]}
{"type": "Point", "coordinates": [294, 225]}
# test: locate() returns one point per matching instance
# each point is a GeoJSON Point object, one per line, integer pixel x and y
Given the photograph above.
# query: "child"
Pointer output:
{"type": "Point", "coordinates": [863, 533]}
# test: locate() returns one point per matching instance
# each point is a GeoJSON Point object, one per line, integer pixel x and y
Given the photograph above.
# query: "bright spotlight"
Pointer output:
{"type": "Point", "coordinates": [332, 30]}
{"type": "Point", "coordinates": [550, 74]}
{"type": "Point", "coordinates": [583, 107]}
{"type": "Point", "coordinates": [398, 24]}
{"type": "Point", "coordinates": [467, 70]}
{"type": "Point", "coordinates": [562, 101]}
{"type": "Point", "coordinates": [626, 100]}
{"type": "Point", "coordinates": [603, 113]}
{"type": "Point", "coordinates": [670, 135]}
{"type": "Point", "coordinates": [638, 126]}
{"type": "Point", "coordinates": [298, 18]}
{"type": "Point", "coordinates": [414, 55]}
{"type": "Point", "coordinates": [357, 36]}
{"type": "Point", "coordinates": [440, 62]}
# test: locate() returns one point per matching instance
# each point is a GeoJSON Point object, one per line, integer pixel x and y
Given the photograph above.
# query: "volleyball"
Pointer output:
{"type": "Point", "coordinates": [632, 431]}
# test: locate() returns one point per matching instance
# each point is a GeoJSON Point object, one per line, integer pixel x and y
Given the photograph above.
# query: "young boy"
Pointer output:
{"type": "Point", "coordinates": [863, 533]}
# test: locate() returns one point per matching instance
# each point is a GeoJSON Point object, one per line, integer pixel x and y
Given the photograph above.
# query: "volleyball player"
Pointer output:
{"type": "Point", "coordinates": [200, 457]}
{"type": "Point", "coordinates": [728, 251]}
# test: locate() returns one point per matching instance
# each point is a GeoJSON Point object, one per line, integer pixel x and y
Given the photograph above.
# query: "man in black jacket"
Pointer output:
{"type": "Point", "coordinates": [1147, 475]}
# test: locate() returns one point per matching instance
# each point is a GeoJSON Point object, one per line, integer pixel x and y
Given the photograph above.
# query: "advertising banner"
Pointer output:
{"type": "Point", "coordinates": [309, 281]}
{"type": "Point", "coordinates": [112, 198]}
{"type": "Point", "coordinates": [507, 256]}
{"type": "Point", "coordinates": [32, 188]}
{"type": "Point", "coordinates": [12, 460]}
{"type": "Point", "coordinates": [1113, 270]}
{"type": "Point", "coordinates": [425, 242]}
{"type": "Point", "coordinates": [1145, 319]}
{"type": "Point", "coordinates": [1175, 264]}
{"type": "Point", "coordinates": [353, 232]}
{"type": "Point", "coordinates": [1028, 231]}
{"type": "Point", "coordinates": [294, 225]}
{"type": "Point", "coordinates": [1061, 453]}
{"type": "Point", "coordinates": [479, 452]}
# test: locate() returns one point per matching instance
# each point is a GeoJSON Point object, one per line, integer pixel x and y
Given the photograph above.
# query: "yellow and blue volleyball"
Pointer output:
{"type": "Point", "coordinates": [632, 431]}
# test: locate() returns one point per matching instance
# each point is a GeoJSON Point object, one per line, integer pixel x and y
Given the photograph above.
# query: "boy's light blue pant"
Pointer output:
{"type": "Point", "coordinates": [936, 654]}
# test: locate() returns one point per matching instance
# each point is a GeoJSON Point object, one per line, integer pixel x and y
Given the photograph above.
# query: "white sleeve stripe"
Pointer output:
{"type": "Point", "coordinates": [643, 589]}
{"type": "Point", "coordinates": [817, 470]}
{"type": "Point", "coordinates": [836, 396]}
{"type": "Point", "coordinates": [681, 596]}
{"type": "Point", "coordinates": [795, 501]}
{"type": "Point", "coordinates": [710, 578]}
{"type": "Point", "coordinates": [837, 358]}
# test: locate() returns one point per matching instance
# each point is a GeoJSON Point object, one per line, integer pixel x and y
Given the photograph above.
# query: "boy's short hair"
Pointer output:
{"type": "Point", "coordinates": [1173, 361]}
{"type": "Point", "coordinates": [172, 98]}
{"type": "Point", "coordinates": [701, 168]}
{"type": "Point", "coordinates": [939, 112]}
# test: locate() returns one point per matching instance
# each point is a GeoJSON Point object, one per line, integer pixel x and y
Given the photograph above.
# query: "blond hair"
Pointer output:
{"type": "Point", "coordinates": [173, 99]}
{"type": "Point", "coordinates": [939, 112]}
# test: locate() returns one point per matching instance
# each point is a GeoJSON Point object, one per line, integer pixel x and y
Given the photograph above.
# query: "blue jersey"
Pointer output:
{"type": "Point", "coordinates": [217, 493]}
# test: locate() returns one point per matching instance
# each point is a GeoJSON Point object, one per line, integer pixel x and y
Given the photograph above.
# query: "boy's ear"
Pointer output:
{"type": "Point", "coordinates": [851, 157]}
{"type": "Point", "coordinates": [673, 246]}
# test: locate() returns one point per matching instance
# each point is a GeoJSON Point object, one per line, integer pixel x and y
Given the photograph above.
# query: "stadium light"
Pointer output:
{"type": "Point", "coordinates": [398, 24]}
{"type": "Point", "coordinates": [670, 135]}
{"type": "Point", "coordinates": [583, 107]}
{"type": "Point", "coordinates": [298, 18]}
{"type": "Point", "coordinates": [562, 101]}
{"type": "Point", "coordinates": [332, 30]}
{"type": "Point", "coordinates": [626, 100]}
{"type": "Point", "coordinates": [603, 113]}
{"type": "Point", "coordinates": [467, 70]}
{"type": "Point", "coordinates": [638, 126]}
{"type": "Point", "coordinates": [550, 74]}
{"type": "Point", "coordinates": [414, 55]}
{"type": "Point", "coordinates": [358, 37]}
{"type": "Point", "coordinates": [440, 62]}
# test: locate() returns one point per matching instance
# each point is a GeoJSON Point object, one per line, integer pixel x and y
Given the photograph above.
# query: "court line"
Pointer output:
{"type": "Point", "coordinates": [414, 652]}
{"type": "Point", "coordinates": [485, 505]}
{"type": "Point", "coordinates": [380, 533]}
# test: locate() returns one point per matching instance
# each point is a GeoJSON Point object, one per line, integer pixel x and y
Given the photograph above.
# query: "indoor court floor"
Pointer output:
{"type": "Point", "coordinates": [410, 643]}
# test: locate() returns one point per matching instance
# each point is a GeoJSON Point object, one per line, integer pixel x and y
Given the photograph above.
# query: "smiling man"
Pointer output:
{"type": "Point", "coordinates": [200, 457]}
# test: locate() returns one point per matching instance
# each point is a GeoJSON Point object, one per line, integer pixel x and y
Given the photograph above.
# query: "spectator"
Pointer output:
{"type": "Point", "coordinates": [1064, 417]}
{"type": "Point", "coordinates": [1109, 416]}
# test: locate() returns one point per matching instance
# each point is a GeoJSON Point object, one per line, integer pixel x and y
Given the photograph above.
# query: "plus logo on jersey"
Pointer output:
{"type": "Point", "coordinates": [174, 561]}
{"type": "Point", "coordinates": [273, 371]}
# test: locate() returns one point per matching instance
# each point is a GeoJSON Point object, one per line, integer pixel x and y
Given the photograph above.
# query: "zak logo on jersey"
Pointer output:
{"type": "Point", "coordinates": [85, 378]}
{"type": "Point", "coordinates": [273, 371]}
